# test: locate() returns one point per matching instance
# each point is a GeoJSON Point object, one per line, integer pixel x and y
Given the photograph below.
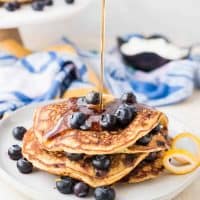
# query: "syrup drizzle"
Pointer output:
{"type": "Point", "coordinates": [102, 63]}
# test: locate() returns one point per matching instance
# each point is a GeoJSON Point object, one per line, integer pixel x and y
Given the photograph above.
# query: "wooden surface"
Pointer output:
{"type": "Point", "coordinates": [10, 34]}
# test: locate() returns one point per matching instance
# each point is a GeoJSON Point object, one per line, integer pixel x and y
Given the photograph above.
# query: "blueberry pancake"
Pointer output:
{"type": "Point", "coordinates": [93, 146]}
{"type": "Point", "coordinates": [56, 129]}
{"type": "Point", "coordinates": [150, 168]}
{"type": "Point", "coordinates": [84, 168]}
{"type": "Point", "coordinates": [60, 164]}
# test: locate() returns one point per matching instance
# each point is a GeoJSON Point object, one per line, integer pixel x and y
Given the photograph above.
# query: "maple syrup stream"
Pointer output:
{"type": "Point", "coordinates": [102, 51]}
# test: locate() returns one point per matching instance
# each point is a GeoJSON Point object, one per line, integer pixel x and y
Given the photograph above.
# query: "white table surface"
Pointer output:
{"type": "Point", "coordinates": [188, 112]}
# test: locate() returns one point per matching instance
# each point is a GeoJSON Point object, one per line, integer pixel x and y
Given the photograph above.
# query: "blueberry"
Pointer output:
{"type": "Point", "coordinates": [151, 157]}
{"type": "Point", "coordinates": [15, 152]}
{"type": "Point", "coordinates": [65, 185]}
{"type": "Point", "coordinates": [101, 162]}
{"type": "Point", "coordinates": [129, 98]}
{"type": "Point", "coordinates": [11, 6]}
{"type": "Point", "coordinates": [124, 115]}
{"type": "Point", "coordinates": [38, 5]}
{"type": "Point", "coordinates": [74, 181]}
{"type": "Point", "coordinates": [93, 98]}
{"type": "Point", "coordinates": [108, 121]}
{"type": "Point", "coordinates": [104, 193]}
{"type": "Point", "coordinates": [156, 129]}
{"type": "Point", "coordinates": [48, 2]}
{"type": "Point", "coordinates": [17, 4]}
{"type": "Point", "coordinates": [144, 140]}
{"type": "Point", "coordinates": [24, 166]}
{"type": "Point", "coordinates": [18, 132]}
{"type": "Point", "coordinates": [77, 119]}
{"type": "Point", "coordinates": [69, 1]}
{"type": "Point", "coordinates": [74, 156]}
{"type": "Point", "coordinates": [81, 189]}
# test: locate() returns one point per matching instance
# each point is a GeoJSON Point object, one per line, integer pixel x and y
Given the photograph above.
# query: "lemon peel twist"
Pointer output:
{"type": "Point", "coordinates": [186, 161]}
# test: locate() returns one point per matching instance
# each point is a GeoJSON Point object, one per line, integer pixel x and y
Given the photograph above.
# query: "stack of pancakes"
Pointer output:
{"type": "Point", "coordinates": [48, 141]}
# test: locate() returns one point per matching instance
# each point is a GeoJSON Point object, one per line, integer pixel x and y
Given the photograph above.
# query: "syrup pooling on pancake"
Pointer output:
{"type": "Point", "coordinates": [85, 116]}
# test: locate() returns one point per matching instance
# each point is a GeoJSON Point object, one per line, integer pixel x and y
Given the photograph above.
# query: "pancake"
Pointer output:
{"type": "Point", "coordinates": [158, 142]}
{"type": "Point", "coordinates": [145, 171]}
{"type": "Point", "coordinates": [50, 118]}
{"type": "Point", "coordinates": [57, 163]}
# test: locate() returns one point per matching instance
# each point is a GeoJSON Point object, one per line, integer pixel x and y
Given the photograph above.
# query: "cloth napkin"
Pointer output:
{"type": "Point", "coordinates": [33, 77]}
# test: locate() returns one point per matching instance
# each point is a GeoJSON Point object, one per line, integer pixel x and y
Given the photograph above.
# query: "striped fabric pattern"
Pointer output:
{"type": "Point", "coordinates": [38, 77]}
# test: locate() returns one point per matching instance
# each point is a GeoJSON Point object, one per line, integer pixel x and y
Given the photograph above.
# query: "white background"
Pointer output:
{"type": "Point", "coordinates": [178, 19]}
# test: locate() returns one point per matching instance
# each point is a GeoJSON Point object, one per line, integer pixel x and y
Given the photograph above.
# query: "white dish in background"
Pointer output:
{"type": "Point", "coordinates": [27, 16]}
{"type": "Point", "coordinates": [40, 185]}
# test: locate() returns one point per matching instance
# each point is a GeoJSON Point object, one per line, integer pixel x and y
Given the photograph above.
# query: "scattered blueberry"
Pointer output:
{"type": "Point", "coordinates": [129, 98]}
{"type": "Point", "coordinates": [18, 132]}
{"type": "Point", "coordinates": [10, 6]}
{"type": "Point", "coordinates": [74, 156]}
{"type": "Point", "coordinates": [93, 98]}
{"type": "Point", "coordinates": [124, 115]}
{"type": "Point", "coordinates": [77, 119]}
{"type": "Point", "coordinates": [38, 5]}
{"type": "Point", "coordinates": [104, 193]}
{"type": "Point", "coordinates": [81, 189]}
{"type": "Point", "coordinates": [15, 152]}
{"type": "Point", "coordinates": [144, 140]}
{"type": "Point", "coordinates": [108, 121]}
{"type": "Point", "coordinates": [151, 157]}
{"type": "Point", "coordinates": [101, 162]}
{"type": "Point", "coordinates": [70, 1]}
{"type": "Point", "coordinates": [65, 185]}
{"type": "Point", "coordinates": [24, 166]}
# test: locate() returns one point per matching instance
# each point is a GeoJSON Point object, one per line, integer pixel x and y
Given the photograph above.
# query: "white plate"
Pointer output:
{"type": "Point", "coordinates": [40, 185]}
{"type": "Point", "coordinates": [25, 15]}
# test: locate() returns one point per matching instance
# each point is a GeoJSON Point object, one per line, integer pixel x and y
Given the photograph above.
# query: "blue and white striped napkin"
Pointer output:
{"type": "Point", "coordinates": [38, 77]}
